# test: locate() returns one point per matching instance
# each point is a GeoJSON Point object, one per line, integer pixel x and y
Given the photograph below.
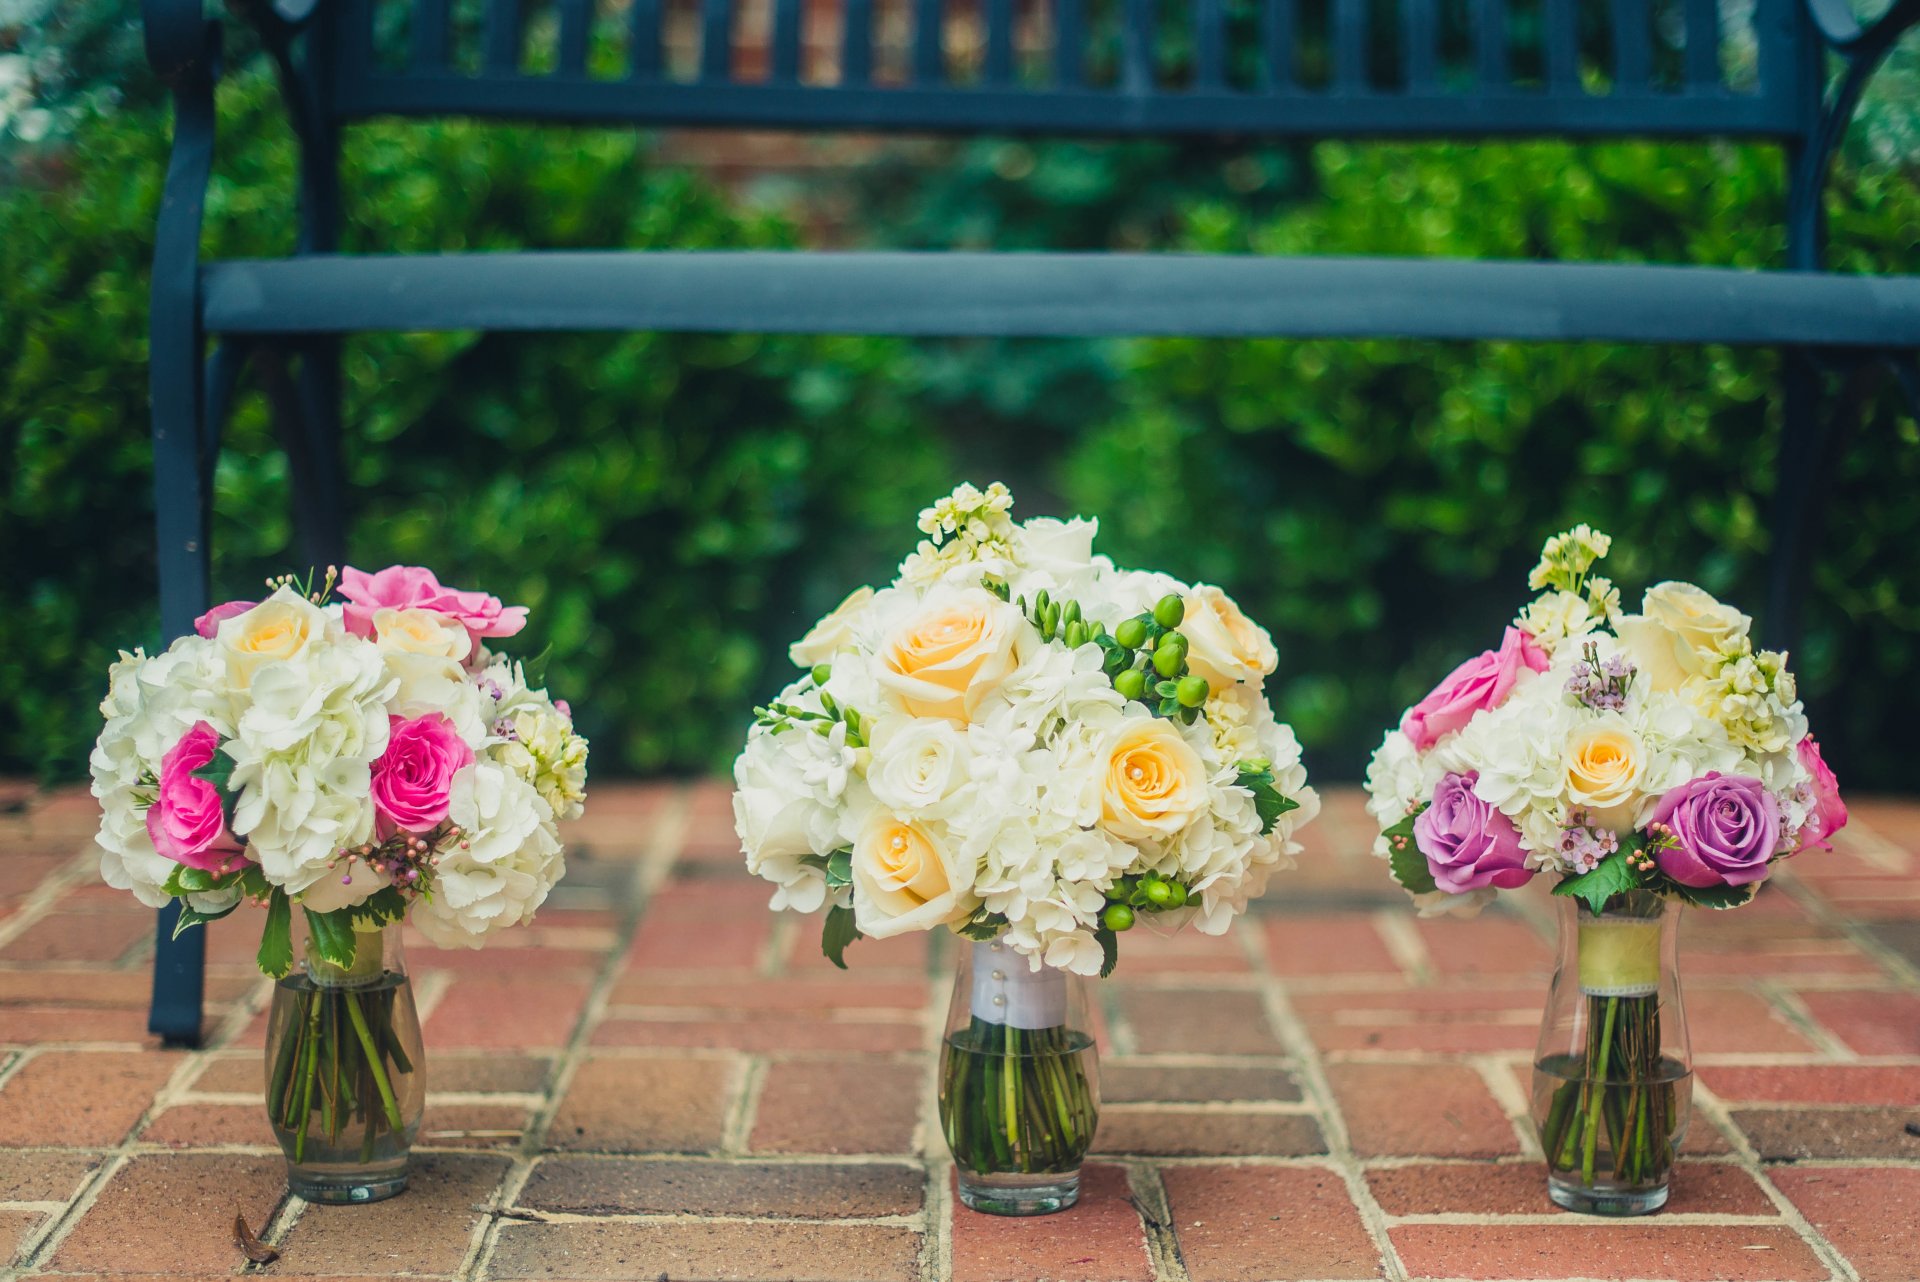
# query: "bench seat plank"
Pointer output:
{"type": "Point", "coordinates": [1049, 294]}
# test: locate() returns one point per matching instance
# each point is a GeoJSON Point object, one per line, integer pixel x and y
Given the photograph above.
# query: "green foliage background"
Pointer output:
{"type": "Point", "coordinates": [676, 507]}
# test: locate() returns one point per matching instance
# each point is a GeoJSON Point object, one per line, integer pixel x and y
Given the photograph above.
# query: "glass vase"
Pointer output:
{"type": "Point", "coordinates": [1019, 1082]}
{"type": "Point", "coordinates": [1613, 1073]}
{"type": "Point", "coordinates": [345, 1073]}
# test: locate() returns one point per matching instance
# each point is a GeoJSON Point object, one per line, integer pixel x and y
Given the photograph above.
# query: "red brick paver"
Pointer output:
{"type": "Point", "coordinates": [661, 1079]}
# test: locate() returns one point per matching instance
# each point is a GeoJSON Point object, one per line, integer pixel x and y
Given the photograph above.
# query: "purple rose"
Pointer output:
{"type": "Point", "coordinates": [1725, 829]}
{"type": "Point", "coordinates": [1469, 844]}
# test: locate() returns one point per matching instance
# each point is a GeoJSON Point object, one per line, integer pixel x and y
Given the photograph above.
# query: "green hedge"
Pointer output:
{"type": "Point", "coordinates": [677, 507]}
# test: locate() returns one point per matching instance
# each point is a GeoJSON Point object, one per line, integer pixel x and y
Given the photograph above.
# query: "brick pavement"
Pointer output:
{"type": "Point", "coordinates": [662, 1080]}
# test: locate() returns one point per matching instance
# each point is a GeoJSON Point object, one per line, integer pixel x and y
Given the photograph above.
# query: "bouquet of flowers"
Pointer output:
{"type": "Point", "coordinates": [1021, 743]}
{"type": "Point", "coordinates": [1639, 758]}
{"type": "Point", "coordinates": [367, 760]}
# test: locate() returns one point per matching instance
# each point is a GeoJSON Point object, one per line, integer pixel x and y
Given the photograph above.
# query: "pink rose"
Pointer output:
{"type": "Point", "coordinates": [413, 780]}
{"type": "Point", "coordinates": [403, 587]}
{"type": "Point", "coordinates": [1829, 811]}
{"type": "Point", "coordinates": [186, 822]}
{"type": "Point", "coordinates": [209, 623]}
{"type": "Point", "coordinates": [1475, 686]}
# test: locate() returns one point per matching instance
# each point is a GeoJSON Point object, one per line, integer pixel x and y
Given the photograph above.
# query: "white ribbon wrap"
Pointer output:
{"type": "Point", "coordinates": [1007, 990]}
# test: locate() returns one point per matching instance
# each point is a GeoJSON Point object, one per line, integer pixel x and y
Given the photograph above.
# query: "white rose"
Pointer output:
{"type": "Point", "coordinates": [919, 764]}
{"type": "Point", "coordinates": [780, 822]}
{"type": "Point", "coordinates": [278, 630]}
{"type": "Point", "coordinates": [907, 876]}
{"type": "Point", "coordinates": [832, 633]}
{"type": "Point", "coordinates": [416, 631]}
{"type": "Point", "coordinates": [1680, 633]}
{"type": "Point", "coordinates": [1224, 645]}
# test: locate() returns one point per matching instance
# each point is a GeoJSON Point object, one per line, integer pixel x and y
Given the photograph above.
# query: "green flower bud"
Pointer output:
{"type": "Point", "coordinates": [1131, 634]}
{"type": "Point", "coordinates": [1131, 684]}
{"type": "Point", "coordinates": [1117, 917]}
{"type": "Point", "coordinates": [1168, 662]}
{"type": "Point", "coordinates": [826, 701]}
{"type": "Point", "coordinates": [1192, 692]}
{"type": "Point", "coordinates": [1076, 634]}
{"type": "Point", "coordinates": [820, 673]}
{"type": "Point", "coordinates": [1043, 600]}
{"type": "Point", "coordinates": [1169, 610]}
{"type": "Point", "coordinates": [1072, 614]}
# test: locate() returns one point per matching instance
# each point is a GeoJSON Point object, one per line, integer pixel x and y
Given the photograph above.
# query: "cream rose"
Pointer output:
{"type": "Point", "coordinates": [906, 878]}
{"type": "Point", "coordinates": [1154, 783]}
{"type": "Point", "coordinates": [423, 632]}
{"type": "Point", "coordinates": [1224, 645]}
{"type": "Point", "coordinates": [832, 633]}
{"type": "Point", "coordinates": [1604, 763]}
{"type": "Point", "coordinates": [278, 629]}
{"type": "Point", "coordinates": [919, 764]}
{"type": "Point", "coordinates": [1679, 633]}
{"type": "Point", "coordinates": [952, 654]}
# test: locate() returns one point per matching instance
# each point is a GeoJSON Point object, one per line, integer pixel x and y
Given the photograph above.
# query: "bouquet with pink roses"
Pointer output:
{"type": "Point", "coordinates": [365, 760]}
{"type": "Point", "coordinates": [1638, 758]}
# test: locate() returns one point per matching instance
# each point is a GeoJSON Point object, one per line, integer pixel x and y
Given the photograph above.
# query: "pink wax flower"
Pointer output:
{"type": "Point", "coordinates": [1479, 684]}
{"type": "Point", "coordinates": [186, 822]}
{"type": "Point", "coordinates": [209, 623]}
{"type": "Point", "coordinates": [413, 780]}
{"type": "Point", "coordinates": [402, 587]}
{"type": "Point", "coordinates": [1469, 844]}
{"type": "Point", "coordinates": [1726, 828]}
{"type": "Point", "coordinates": [1829, 811]}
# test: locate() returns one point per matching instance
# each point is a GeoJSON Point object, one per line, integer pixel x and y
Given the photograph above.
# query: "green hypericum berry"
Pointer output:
{"type": "Point", "coordinates": [1169, 610]}
{"type": "Point", "coordinates": [1159, 893]}
{"type": "Point", "coordinates": [1168, 661]}
{"type": "Point", "coordinates": [1192, 692]}
{"type": "Point", "coordinates": [1131, 684]}
{"type": "Point", "coordinates": [1131, 634]}
{"type": "Point", "coordinates": [1117, 917]}
{"type": "Point", "coordinates": [1173, 641]}
{"type": "Point", "coordinates": [1176, 895]}
{"type": "Point", "coordinates": [1119, 890]}
{"type": "Point", "coordinates": [821, 671]}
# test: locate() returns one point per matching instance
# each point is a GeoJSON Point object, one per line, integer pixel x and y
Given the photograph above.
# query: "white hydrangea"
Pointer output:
{"type": "Point", "coordinates": [506, 863]}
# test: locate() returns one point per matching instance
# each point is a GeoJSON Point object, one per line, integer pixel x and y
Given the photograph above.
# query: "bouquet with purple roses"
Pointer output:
{"type": "Point", "coordinates": [1642, 760]}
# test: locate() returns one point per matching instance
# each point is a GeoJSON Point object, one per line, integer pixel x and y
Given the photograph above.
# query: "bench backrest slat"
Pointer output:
{"type": "Point", "coordinates": [1275, 68]}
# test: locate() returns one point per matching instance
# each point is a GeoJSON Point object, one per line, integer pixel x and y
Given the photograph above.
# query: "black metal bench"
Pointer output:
{"type": "Point", "coordinates": [1253, 69]}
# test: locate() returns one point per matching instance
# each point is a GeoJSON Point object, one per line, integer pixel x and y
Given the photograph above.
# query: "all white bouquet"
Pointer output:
{"type": "Point", "coordinates": [1018, 741]}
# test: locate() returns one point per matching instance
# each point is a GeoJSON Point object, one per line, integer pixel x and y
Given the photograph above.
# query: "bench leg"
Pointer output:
{"type": "Point", "coordinates": [1816, 424]}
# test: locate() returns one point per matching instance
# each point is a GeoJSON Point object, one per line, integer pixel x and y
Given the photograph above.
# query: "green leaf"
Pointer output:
{"type": "Point", "coordinates": [982, 927]}
{"type": "Point", "coordinates": [1109, 950]}
{"type": "Point", "coordinates": [189, 881]}
{"type": "Point", "coordinates": [332, 935]}
{"type": "Point", "coordinates": [534, 670]}
{"type": "Point", "coordinates": [1267, 799]}
{"type": "Point", "coordinates": [275, 957]}
{"type": "Point", "coordinates": [384, 907]}
{"type": "Point", "coordinates": [839, 869]}
{"type": "Point", "coordinates": [1611, 876]}
{"type": "Point", "coordinates": [217, 771]}
{"type": "Point", "coordinates": [1717, 897]}
{"type": "Point", "coordinates": [837, 933]}
{"type": "Point", "coordinates": [1404, 858]}
{"type": "Point", "coordinates": [191, 917]}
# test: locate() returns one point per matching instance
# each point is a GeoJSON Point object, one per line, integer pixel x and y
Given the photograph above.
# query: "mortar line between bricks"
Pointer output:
{"type": "Point", "coordinates": [1838, 1267]}
{"type": "Point", "coordinates": [1665, 1221]}
{"type": "Point", "coordinates": [643, 879]}
{"type": "Point", "coordinates": [39, 901]}
{"type": "Point", "coordinates": [1156, 1215]}
{"type": "Point", "coordinates": [1794, 1010]}
{"type": "Point", "coordinates": [737, 1130]}
{"type": "Point", "coordinates": [1905, 973]}
{"type": "Point", "coordinates": [1315, 1087]}
{"type": "Point", "coordinates": [1512, 1100]}
{"type": "Point", "coordinates": [1404, 945]}
{"type": "Point", "coordinates": [42, 1245]}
